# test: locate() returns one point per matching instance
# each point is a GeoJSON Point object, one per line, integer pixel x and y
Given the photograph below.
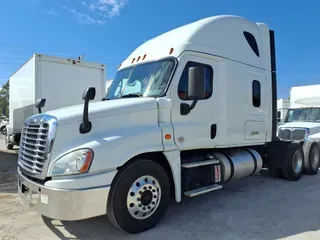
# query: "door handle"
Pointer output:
{"type": "Point", "coordinates": [213, 131]}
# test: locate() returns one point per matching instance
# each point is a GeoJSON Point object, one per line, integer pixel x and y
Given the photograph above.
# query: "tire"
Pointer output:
{"type": "Point", "coordinates": [9, 146]}
{"type": "Point", "coordinates": [3, 130]}
{"type": "Point", "coordinates": [121, 199]}
{"type": "Point", "coordinates": [312, 157]}
{"type": "Point", "coordinates": [295, 160]}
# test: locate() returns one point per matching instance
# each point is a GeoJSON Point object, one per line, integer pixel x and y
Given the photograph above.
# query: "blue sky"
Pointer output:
{"type": "Point", "coordinates": [107, 31]}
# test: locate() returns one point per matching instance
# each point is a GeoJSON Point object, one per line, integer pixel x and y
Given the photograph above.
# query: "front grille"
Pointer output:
{"type": "Point", "coordinates": [292, 134]}
{"type": "Point", "coordinates": [298, 134]}
{"type": "Point", "coordinates": [284, 134]}
{"type": "Point", "coordinates": [33, 143]}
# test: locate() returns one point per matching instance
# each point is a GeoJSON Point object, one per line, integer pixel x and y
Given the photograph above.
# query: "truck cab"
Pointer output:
{"type": "Point", "coordinates": [187, 112]}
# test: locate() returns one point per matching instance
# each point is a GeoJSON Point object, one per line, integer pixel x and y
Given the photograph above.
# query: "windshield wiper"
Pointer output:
{"type": "Point", "coordinates": [131, 95]}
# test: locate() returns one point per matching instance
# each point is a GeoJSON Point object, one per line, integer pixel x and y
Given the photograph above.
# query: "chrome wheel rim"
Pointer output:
{"type": "Point", "coordinates": [314, 158]}
{"type": "Point", "coordinates": [297, 162]}
{"type": "Point", "coordinates": [143, 197]}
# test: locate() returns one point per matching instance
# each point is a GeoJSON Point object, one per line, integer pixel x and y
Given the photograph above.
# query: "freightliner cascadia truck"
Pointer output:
{"type": "Point", "coordinates": [187, 112]}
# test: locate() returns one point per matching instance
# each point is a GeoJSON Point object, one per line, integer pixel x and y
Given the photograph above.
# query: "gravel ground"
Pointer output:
{"type": "Point", "coordinates": [254, 208]}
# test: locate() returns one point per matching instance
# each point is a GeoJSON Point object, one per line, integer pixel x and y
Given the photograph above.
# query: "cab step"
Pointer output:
{"type": "Point", "coordinates": [199, 163]}
{"type": "Point", "coordinates": [203, 190]}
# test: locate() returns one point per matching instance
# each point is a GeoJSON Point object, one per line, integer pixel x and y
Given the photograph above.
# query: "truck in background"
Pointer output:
{"type": "Point", "coordinates": [283, 106]}
{"type": "Point", "coordinates": [302, 123]}
{"type": "Point", "coordinates": [60, 81]}
{"type": "Point", "coordinates": [187, 112]}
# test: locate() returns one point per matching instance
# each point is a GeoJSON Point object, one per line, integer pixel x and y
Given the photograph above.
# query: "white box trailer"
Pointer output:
{"type": "Point", "coordinates": [60, 81]}
{"type": "Point", "coordinates": [305, 96]}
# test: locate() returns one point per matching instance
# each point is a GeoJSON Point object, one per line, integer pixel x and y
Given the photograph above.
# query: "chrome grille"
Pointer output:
{"type": "Point", "coordinates": [284, 134]}
{"type": "Point", "coordinates": [33, 143]}
{"type": "Point", "coordinates": [298, 134]}
{"type": "Point", "coordinates": [292, 134]}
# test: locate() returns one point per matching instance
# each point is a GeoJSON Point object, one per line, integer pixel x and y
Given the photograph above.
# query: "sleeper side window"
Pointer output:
{"type": "Point", "coordinates": [183, 84]}
{"type": "Point", "coordinates": [256, 93]}
{"type": "Point", "coordinates": [252, 42]}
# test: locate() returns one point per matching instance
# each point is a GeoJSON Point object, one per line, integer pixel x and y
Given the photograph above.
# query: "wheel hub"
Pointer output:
{"type": "Point", "coordinates": [146, 198]}
{"type": "Point", "coordinates": [143, 197]}
{"type": "Point", "coordinates": [297, 162]}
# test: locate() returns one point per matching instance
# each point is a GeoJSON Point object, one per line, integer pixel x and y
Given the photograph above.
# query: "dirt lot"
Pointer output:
{"type": "Point", "coordinates": [254, 208]}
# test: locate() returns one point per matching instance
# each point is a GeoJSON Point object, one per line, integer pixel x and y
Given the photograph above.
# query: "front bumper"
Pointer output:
{"type": "Point", "coordinates": [61, 204]}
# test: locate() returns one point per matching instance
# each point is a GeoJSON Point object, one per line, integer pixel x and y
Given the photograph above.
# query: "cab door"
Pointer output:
{"type": "Point", "coordinates": [200, 127]}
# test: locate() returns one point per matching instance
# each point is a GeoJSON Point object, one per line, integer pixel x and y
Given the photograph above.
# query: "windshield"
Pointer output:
{"type": "Point", "coordinates": [145, 80]}
{"type": "Point", "coordinates": [303, 115]}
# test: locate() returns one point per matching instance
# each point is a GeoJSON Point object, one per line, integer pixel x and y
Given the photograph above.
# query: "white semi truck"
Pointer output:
{"type": "Point", "coordinates": [58, 80]}
{"type": "Point", "coordinates": [302, 123]}
{"type": "Point", "coordinates": [187, 112]}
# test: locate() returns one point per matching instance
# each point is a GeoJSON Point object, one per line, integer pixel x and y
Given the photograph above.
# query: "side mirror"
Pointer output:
{"type": "Point", "coordinates": [40, 103]}
{"type": "Point", "coordinates": [88, 94]}
{"type": "Point", "coordinates": [196, 83]}
{"type": "Point", "coordinates": [279, 116]}
{"type": "Point", "coordinates": [196, 88]}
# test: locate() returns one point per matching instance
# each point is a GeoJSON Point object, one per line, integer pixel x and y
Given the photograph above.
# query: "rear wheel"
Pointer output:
{"type": "Point", "coordinates": [295, 160]}
{"type": "Point", "coordinates": [139, 196]}
{"type": "Point", "coordinates": [312, 157]}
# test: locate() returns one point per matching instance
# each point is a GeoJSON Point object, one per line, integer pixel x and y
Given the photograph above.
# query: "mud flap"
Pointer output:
{"type": "Point", "coordinates": [277, 154]}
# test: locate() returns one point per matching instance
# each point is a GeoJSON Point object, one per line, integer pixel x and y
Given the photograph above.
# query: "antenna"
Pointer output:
{"type": "Point", "coordinates": [81, 56]}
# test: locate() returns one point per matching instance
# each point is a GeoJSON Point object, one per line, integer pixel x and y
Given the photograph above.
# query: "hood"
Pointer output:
{"type": "Point", "coordinates": [104, 109]}
{"type": "Point", "coordinates": [301, 125]}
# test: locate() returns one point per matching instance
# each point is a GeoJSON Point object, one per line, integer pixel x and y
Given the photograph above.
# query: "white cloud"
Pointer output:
{"type": "Point", "coordinates": [52, 12]}
{"type": "Point", "coordinates": [98, 11]}
{"type": "Point", "coordinates": [85, 18]}
{"type": "Point", "coordinates": [109, 8]}
{"type": "Point", "coordinates": [89, 11]}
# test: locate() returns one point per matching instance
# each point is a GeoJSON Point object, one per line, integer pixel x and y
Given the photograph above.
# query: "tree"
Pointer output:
{"type": "Point", "coordinates": [4, 100]}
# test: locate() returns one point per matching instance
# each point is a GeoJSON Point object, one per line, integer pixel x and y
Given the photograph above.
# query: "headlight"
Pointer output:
{"type": "Point", "coordinates": [75, 162]}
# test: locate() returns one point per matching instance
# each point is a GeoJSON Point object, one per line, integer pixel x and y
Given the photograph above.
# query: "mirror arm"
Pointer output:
{"type": "Point", "coordinates": [193, 104]}
{"type": "Point", "coordinates": [86, 125]}
{"type": "Point", "coordinates": [185, 108]}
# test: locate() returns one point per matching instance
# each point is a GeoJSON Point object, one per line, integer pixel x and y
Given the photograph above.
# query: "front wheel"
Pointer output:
{"type": "Point", "coordinates": [139, 196]}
